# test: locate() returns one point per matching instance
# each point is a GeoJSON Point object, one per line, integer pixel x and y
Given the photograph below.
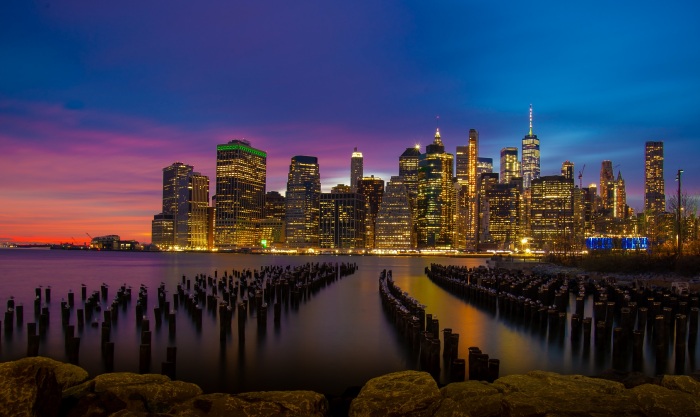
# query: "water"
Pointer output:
{"type": "Point", "coordinates": [339, 337]}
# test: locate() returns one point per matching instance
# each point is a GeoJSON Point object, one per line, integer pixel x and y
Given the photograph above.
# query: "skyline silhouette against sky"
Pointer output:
{"type": "Point", "coordinates": [97, 97]}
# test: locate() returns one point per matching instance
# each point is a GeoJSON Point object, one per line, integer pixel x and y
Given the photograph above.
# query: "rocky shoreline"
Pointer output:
{"type": "Point", "coordinates": [44, 387]}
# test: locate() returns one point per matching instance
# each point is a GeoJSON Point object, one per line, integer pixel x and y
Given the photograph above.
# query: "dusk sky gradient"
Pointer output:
{"type": "Point", "coordinates": [96, 97]}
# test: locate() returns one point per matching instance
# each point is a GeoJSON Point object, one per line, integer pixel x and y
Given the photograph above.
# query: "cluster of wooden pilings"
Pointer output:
{"type": "Point", "coordinates": [247, 293]}
{"type": "Point", "coordinates": [420, 333]}
{"type": "Point", "coordinates": [623, 316]}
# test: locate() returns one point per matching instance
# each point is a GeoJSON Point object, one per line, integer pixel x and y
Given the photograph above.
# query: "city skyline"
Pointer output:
{"type": "Point", "coordinates": [97, 99]}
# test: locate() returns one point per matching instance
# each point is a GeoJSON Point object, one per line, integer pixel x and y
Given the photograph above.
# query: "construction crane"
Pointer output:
{"type": "Point", "coordinates": [580, 176]}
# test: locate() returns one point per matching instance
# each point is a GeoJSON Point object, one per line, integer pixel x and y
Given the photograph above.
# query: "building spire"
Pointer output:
{"type": "Point", "coordinates": [530, 119]}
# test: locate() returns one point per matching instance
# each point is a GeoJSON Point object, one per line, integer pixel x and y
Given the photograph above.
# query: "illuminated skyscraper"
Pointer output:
{"type": "Point", "coordinates": [607, 185]}
{"type": "Point", "coordinates": [502, 215]}
{"type": "Point", "coordinates": [175, 197]}
{"type": "Point", "coordinates": [510, 166]}
{"type": "Point", "coordinates": [356, 168]}
{"type": "Point", "coordinates": [240, 194]}
{"type": "Point", "coordinates": [487, 181]}
{"type": "Point", "coordinates": [654, 191]}
{"type": "Point", "coordinates": [567, 170]}
{"type": "Point", "coordinates": [184, 222]}
{"type": "Point", "coordinates": [531, 156]}
{"type": "Point", "coordinates": [436, 197]}
{"type": "Point", "coordinates": [373, 191]}
{"type": "Point", "coordinates": [408, 170]}
{"type": "Point", "coordinates": [342, 219]}
{"type": "Point", "coordinates": [551, 212]}
{"type": "Point", "coordinates": [620, 198]}
{"type": "Point", "coordinates": [394, 224]}
{"type": "Point", "coordinates": [198, 212]}
{"type": "Point", "coordinates": [303, 194]}
{"type": "Point", "coordinates": [472, 198]}
{"type": "Point", "coordinates": [483, 166]}
{"type": "Point", "coordinates": [272, 229]}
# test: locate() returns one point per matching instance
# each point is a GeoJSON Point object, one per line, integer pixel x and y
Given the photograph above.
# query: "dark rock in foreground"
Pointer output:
{"type": "Point", "coordinates": [47, 388]}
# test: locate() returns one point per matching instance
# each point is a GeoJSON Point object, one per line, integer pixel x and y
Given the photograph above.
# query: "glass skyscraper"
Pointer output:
{"type": "Point", "coordinates": [356, 168]}
{"type": "Point", "coordinates": [240, 194]}
{"type": "Point", "coordinates": [510, 166]}
{"type": "Point", "coordinates": [531, 156]}
{"type": "Point", "coordinates": [303, 194]}
{"type": "Point", "coordinates": [654, 191]}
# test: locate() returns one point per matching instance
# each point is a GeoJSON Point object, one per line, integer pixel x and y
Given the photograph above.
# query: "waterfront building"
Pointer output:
{"type": "Point", "coordinates": [275, 205]}
{"type": "Point", "coordinates": [198, 213]}
{"type": "Point", "coordinates": [607, 185]}
{"type": "Point", "coordinates": [436, 197]}
{"type": "Point", "coordinates": [510, 166]}
{"type": "Point", "coordinates": [531, 156]}
{"type": "Point", "coordinates": [486, 182]}
{"type": "Point", "coordinates": [342, 220]}
{"type": "Point", "coordinates": [408, 170]}
{"type": "Point", "coordinates": [272, 227]}
{"type": "Point", "coordinates": [551, 213]}
{"type": "Point", "coordinates": [163, 230]}
{"type": "Point", "coordinates": [184, 221]}
{"type": "Point", "coordinates": [356, 168]}
{"type": "Point", "coordinates": [503, 216]}
{"type": "Point", "coordinates": [341, 188]}
{"type": "Point", "coordinates": [303, 194]}
{"type": "Point", "coordinates": [373, 190]}
{"type": "Point", "coordinates": [654, 191]}
{"type": "Point", "coordinates": [394, 224]}
{"type": "Point", "coordinates": [240, 194]}
{"type": "Point", "coordinates": [472, 197]}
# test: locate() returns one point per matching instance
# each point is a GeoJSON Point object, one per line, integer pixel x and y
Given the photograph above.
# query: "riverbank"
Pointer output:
{"type": "Point", "coordinates": [47, 388]}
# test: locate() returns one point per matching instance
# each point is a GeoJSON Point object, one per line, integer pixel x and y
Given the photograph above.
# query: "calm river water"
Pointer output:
{"type": "Point", "coordinates": [339, 337]}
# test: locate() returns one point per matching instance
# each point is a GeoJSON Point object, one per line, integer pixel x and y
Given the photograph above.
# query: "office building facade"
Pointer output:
{"type": "Point", "coordinates": [302, 202]}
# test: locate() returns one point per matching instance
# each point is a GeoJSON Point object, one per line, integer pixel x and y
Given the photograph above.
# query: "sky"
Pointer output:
{"type": "Point", "coordinates": [97, 97]}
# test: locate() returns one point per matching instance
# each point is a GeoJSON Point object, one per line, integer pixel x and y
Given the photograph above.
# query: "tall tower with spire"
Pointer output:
{"type": "Point", "coordinates": [356, 169]}
{"type": "Point", "coordinates": [531, 156]}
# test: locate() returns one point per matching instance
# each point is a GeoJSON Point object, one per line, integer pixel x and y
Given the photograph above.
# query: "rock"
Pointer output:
{"type": "Point", "coordinates": [32, 386]}
{"type": "Point", "coordinates": [470, 398]}
{"type": "Point", "coordinates": [546, 393]}
{"type": "Point", "coordinates": [629, 379]}
{"type": "Point", "coordinates": [682, 383]}
{"type": "Point", "coordinates": [270, 403]}
{"type": "Point", "coordinates": [408, 393]}
{"type": "Point", "coordinates": [655, 400]}
{"type": "Point", "coordinates": [109, 393]}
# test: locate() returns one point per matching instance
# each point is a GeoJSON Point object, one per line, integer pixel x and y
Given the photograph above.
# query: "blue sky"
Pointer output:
{"type": "Point", "coordinates": [97, 97]}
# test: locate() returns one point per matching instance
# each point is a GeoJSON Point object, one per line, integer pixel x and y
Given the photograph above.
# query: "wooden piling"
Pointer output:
{"type": "Point", "coordinates": [108, 356]}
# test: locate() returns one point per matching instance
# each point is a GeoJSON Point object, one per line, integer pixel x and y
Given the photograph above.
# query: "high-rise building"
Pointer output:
{"type": "Point", "coordinates": [462, 164]}
{"type": "Point", "coordinates": [394, 224]}
{"type": "Point", "coordinates": [567, 170]}
{"type": "Point", "coordinates": [487, 181]}
{"type": "Point", "coordinates": [620, 198]}
{"type": "Point", "coordinates": [198, 212]}
{"type": "Point", "coordinates": [272, 228]}
{"type": "Point", "coordinates": [175, 197]}
{"type": "Point", "coordinates": [483, 166]}
{"type": "Point", "coordinates": [241, 172]}
{"type": "Point", "coordinates": [436, 197]}
{"type": "Point", "coordinates": [303, 194]}
{"type": "Point", "coordinates": [607, 185]}
{"type": "Point", "coordinates": [551, 213]}
{"type": "Point", "coordinates": [373, 191]}
{"type": "Point", "coordinates": [472, 198]}
{"type": "Point", "coordinates": [184, 221]}
{"type": "Point", "coordinates": [502, 215]}
{"type": "Point", "coordinates": [654, 191]}
{"type": "Point", "coordinates": [356, 168]}
{"type": "Point", "coordinates": [510, 166]}
{"type": "Point", "coordinates": [408, 170]}
{"type": "Point", "coordinates": [531, 156]}
{"type": "Point", "coordinates": [342, 220]}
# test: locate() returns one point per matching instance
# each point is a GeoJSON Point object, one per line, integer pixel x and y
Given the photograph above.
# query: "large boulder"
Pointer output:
{"type": "Point", "coordinates": [109, 393]}
{"type": "Point", "coordinates": [546, 393]}
{"type": "Point", "coordinates": [32, 386]}
{"type": "Point", "coordinates": [470, 399]}
{"type": "Point", "coordinates": [408, 393]}
{"type": "Point", "coordinates": [270, 403]}
{"type": "Point", "coordinates": [656, 400]}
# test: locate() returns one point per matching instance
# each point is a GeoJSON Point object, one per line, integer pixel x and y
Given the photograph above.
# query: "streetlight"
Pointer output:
{"type": "Point", "coordinates": [678, 208]}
